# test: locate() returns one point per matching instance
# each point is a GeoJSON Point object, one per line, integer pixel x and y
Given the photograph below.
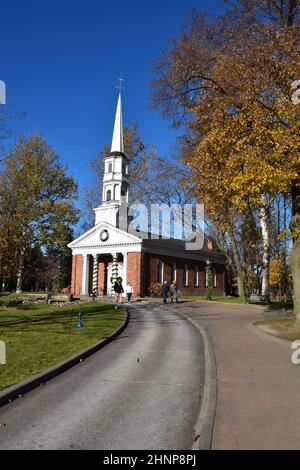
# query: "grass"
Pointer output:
{"type": "Point", "coordinates": [285, 328]}
{"type": "Point", "coordinates": [281, 305]}
{"type": "Point", "coordinates": [218, 298]}
{"type": "Point", "coordinates": [44, 335]}
{"type": "Point", "coordinates": [273, 305]}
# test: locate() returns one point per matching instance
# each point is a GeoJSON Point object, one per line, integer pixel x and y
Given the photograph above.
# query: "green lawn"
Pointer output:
{"type": "Point", "coordinates": [284, 328]}
{"type": "Point", "coordinates": [218, 298]}
{"type": "Point", "coordinates": [281, 305]}
{"type": "Point", "coordinates": [44, 335]}
{"type": "Point", "coordinates": [274, 304]}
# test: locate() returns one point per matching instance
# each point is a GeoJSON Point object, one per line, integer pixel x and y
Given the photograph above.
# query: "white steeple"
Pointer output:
{"type": "Point", "coordinates": [117, 141]}
{"type": "Point", "coordinates": [115, 177]}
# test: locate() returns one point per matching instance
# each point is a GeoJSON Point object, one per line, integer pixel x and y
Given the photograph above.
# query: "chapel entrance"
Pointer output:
{"type": "Point", "coordinates": [105, 272]}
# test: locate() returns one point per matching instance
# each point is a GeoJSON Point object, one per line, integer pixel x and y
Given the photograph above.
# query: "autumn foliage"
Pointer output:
{"type": "Point", "coordinates": [228, 82]}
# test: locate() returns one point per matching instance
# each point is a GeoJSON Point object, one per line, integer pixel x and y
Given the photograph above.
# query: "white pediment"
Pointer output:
{"type": "Point", "coordinates": [116, 237]}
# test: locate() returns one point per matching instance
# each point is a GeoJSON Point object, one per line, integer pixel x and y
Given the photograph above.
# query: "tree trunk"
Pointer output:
{"type": "Point", "coordinates": [295, 228]}
{"type": "Point", "coordinates": [284, 254]}
{"type": "Point", "coordinates": [20, 271]}
{"type": "Point", "coordinates": [264, 223]}
{"type": "Point", "coordinates": [238, 265]}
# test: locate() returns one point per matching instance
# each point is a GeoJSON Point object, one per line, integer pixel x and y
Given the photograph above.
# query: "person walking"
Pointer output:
{"type": "Point", "coordinates": [129, 291]}
{"type": "Point", "coordinates": [118, 288]}
{"type": "Point", "coordinates": [174, 292]}
{"type": "Point", "coordinates": [165, 291]}
{"type": "Point", "coordinates": [94, 294]}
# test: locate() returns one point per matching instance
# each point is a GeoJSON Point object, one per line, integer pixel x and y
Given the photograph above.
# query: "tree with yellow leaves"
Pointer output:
{"type": "Point", "coordinates": [231, 80]}
{"type": "Point", "coordinates": [36, 204]}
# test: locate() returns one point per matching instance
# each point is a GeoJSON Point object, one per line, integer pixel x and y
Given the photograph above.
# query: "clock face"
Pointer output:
{"type": "Point", "coordinates": [104, 235]}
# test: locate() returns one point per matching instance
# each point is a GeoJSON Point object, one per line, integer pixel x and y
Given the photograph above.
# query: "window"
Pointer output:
{"type": "Point", "coordinates": [108, 195]}
{"type": "Point", "coordinates": [186, 275]}
{"type": "Point", "coordinates": [116, 192]}
{"type": "Point", "coordinates": [160, 272]}
{"type": "Point", "coordinates": [206, 277]}
{"type": "Point", "coordinates": [109, 168]}
{"type": "Point", "coordinates": [173, 272]}
{"type": "Point", "coordinates": [214, 278]}
{"type": "Point", "coordinates": [196, 278]}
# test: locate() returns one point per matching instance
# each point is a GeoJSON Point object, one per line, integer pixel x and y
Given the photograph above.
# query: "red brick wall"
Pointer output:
{"type": "Point", "coordinates": [76, 281]}
{"type": "Point", "coordinates": [151, 265]}
{"type": "Point", "coordinates": [220, 289]}
{"type": "Point", "coordinates": [135, 272]}
{"type": "Point", "coordinates": [142, 271]}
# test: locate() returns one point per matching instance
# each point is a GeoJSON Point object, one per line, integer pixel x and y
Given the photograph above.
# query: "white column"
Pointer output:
{"type": "Point", "coordinates": [85, 275]}
{"type": "Point", "coordinates": [114, 271]}
{"type": "Point", "coordinates": [95, 274]}
{"type": "Point", "coordinates": [124, 271]}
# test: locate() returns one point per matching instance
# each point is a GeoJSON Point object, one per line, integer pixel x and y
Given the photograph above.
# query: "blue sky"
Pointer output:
{"type": "Point", "coordinates": [61, 61]}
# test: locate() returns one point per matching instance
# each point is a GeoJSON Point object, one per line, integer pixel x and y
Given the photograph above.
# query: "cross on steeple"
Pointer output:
{"type": "Point", "coordinates": [120, 87]}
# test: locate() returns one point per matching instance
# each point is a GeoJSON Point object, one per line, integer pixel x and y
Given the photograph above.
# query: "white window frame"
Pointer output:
{"type": "Point", "coordinates": [214, 278]}
{"type": "Point", "coordinates": [196, 276]}
{"type": "Point", "coordinates": [174, 272]}
{"type": "Point", "coordinates": [161, 266]}
{"type": "Point", "coordinates": [186, 276]}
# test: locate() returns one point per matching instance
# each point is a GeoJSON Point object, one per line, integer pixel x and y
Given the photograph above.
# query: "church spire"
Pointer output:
{"type": "Point", "coordinates": [117, 141]}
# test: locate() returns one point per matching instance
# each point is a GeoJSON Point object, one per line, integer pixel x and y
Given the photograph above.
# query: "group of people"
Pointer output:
{"type": "Point", "coordinates": [167, 289]}
{"type": "Point", "coordinates": [172, 289]}
{"type": "Point", "coordinates": [119, 291]}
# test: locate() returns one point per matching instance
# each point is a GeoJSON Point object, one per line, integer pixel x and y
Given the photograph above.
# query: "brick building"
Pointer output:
{"type": "Point", "coordinates": [109, 249]}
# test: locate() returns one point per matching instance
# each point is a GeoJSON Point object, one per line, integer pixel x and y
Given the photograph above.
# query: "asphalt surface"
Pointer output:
{"type": "Point", "coordinates": [142, 391]}
{"type": "Point", "coordinates": [258, 402]}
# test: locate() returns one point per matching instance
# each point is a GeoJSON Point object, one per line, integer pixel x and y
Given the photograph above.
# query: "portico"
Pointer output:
{"type": "Point", "coordinates": [96, 263]}
{"type": "Point", "coordinates": [99, 269]}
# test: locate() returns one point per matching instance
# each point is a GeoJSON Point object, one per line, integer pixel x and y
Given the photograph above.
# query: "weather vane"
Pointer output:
{"type": "Point", "coordinates": [120, 87]}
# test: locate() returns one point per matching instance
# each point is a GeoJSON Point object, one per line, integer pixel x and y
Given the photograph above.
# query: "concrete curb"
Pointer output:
{"type": "Point", "coordinates": [206, 418]}
{"type": "Point", "coordinates": [18, 390]}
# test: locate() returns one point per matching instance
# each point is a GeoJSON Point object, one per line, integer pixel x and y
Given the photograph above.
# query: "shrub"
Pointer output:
{"type": "Point", "coordinates": [10, 302]}
{"type": "Point", "coordinates": [155, 290]}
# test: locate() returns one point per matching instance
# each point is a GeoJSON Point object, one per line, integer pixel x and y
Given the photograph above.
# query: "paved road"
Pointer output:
{"type": "Point", "coordinates": [140, 392]}
{"type": "Point", "coordinates": [258, 386]}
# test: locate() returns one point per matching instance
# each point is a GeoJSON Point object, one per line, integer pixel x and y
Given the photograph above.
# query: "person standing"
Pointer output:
{"type": "Point", "coordinates": [129, 291]}
{"type": "Point", "coordinates": [165, 291]}
{"type": "Point", "coordinates": [118, 288]}
{"type": "Point", "coordinates": [174, 292]}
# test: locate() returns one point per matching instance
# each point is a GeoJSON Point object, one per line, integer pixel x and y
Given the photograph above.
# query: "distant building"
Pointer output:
{"type": "Point", "coordinates": [107, 250]}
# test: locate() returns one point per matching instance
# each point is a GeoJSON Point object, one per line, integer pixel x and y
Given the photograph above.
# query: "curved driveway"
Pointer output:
{"type": "Point", "coordinates": [140, 392]}
{"type": "Point", "coordinates": [258, 405]}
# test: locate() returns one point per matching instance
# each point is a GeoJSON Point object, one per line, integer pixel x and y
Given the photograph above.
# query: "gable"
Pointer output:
{"type": "Point", "coordinates": [92, 237]}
